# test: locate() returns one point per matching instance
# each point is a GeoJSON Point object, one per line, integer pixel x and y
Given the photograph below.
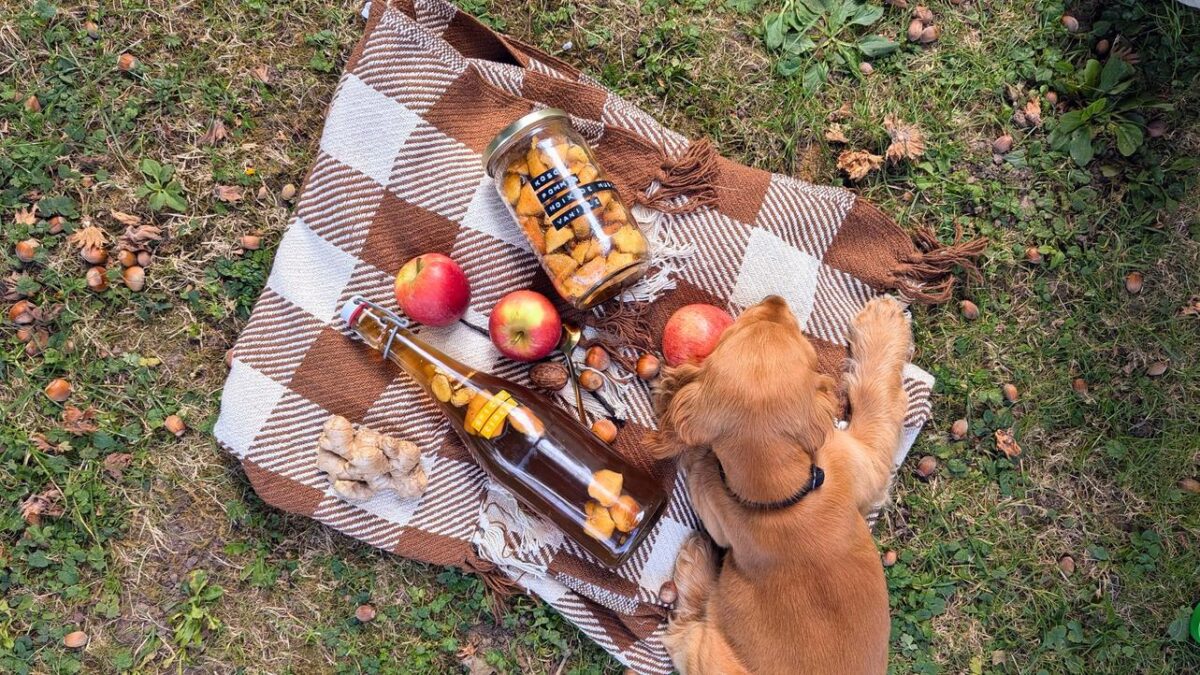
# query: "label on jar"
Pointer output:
{"type": "Point", "coordinates": [574, 212]}
{"type": "Point", "coordinates": [556, 187]}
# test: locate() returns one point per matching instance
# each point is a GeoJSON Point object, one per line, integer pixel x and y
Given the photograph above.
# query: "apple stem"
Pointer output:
{"type": "Point", "coordinates": [477, 329]}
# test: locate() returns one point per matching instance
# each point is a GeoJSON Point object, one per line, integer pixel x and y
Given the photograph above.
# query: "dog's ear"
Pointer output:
{"type": "Point", "coordinates": [681, 421]}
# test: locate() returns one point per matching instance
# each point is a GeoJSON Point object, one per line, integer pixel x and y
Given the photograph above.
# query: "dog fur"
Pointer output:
{"type": "Point", "coordinates": [796, 590]}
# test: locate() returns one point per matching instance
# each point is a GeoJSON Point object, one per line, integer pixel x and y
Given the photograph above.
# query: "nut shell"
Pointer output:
{"type": "Point", "coordinates": [549, 375]}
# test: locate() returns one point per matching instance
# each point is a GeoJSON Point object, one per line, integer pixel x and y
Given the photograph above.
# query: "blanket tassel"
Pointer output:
{"type": "Point", "coordinates": [692, 175]}
{"type": "Point", "coordinates": [927, 275]}
{"type": "Point", "coordinates": [499, 586]}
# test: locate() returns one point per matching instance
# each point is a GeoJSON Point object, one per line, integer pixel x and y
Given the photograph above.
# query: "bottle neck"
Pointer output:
{"type": "Point", "coordinates": [400, 346]}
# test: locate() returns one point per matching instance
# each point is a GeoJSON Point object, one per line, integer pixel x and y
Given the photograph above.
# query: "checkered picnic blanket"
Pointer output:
{"type": "Point", "coordinates": [399, 174]}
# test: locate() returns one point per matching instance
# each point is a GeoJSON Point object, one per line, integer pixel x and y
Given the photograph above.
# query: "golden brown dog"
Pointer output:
{"type": "Point", "coordinates": [800, 587]}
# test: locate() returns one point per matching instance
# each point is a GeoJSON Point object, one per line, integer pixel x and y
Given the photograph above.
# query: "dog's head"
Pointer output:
{"type": "Point", "coordinates": [756, 400]}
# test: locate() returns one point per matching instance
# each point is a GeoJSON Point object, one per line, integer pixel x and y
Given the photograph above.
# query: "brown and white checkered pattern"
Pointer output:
{"type": "Point", "coordinates": [399, 174]}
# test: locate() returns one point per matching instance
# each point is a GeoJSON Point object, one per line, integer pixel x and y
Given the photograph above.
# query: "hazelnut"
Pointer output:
{"type": "Point", "coordinates": [364, 613]}
{"type": "Point", "coordinates": [915, 27]}
{"type": "Point", "coordinates": [126, 257]}
{"type": "Point", "coordinates": [889, 558]}
{"type": "Point", "coordinates": [1156, 369]}
{"type": "Point", "coordinates": [126, 62]}
{"type": "Point", "coordinates": [1080, 386]}
{"type": "Point", "coordinates": [1070, 23]}
{"type": "Point", "coordinates": [959, 429]}
{"type": "Point", "coordinates": [288, 192]}
{"type": "Point", "coordinates": [32, 104]}
{"type": "Point", "coordinates": [597, 358]}
{"type": "Point", "coordinates": [175, 425]}
{"type": "Point", "coordinates": [1033, 255]}
{"type": "Point", "coordinates": [135, 278]}
{"type": "Point", "coordinates": [930, 35]}
{"type": "Point", "coordinates": [75, 639]}
{"type": "Point", "coordinates": [549, 375]}
{"type": "Point", "coordinates": [251, 242]}
{"type": "Point", "coordinates": [96, 280]}
{"type": "Point", "coordinates": [1156, 129]}
{"type": "Point", "coordinates": [1010, 392]}
{"type": "Point", "coordinates": [1190, 485]}
{"type": "Point", "coordinates": [1002, 144]}
{"type": "Point", "coordinates": [143, 258]}
{"type": "Point", "coordinates": [866, 68]}
{"type": "Point", "coordinates": [58, 390]}
{"type": "Point", "coordinates": [970, 310]}
{"type": "Point", "coordinates": [56, 224]}
{"type": "Point", "coordinates": [591, 380]}
{"type": "Point", "coordinates": [23, 312]}
{"type": "Point", "coordinates": [648, 366]}
{"type": "Point", "coordinates": [27, 250]}
{"type": "Point", "coordinates": [605, 430]}
{"type": "Point", "coordinates": [924, 14]}
{"type": "Point", "coordinates": [95, 255]}
{"type": "Point", "coordinates": [1133, 282]}
{"type": "Point", "coordinates": [1102, 47]}
{"type": "Point", "coordinates": [927, 466]}
{"type": "Point", "coordinates": [1067, 565]}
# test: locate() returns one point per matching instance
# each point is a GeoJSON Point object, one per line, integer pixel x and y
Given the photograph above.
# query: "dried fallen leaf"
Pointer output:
{"type": "Point", "coordinates": [262, 73]}
{"type": "Point", "coordinates": [41, 443]}
{"type": "Point", "coordinates": [126, 219]}
{"type": "Point", "coordinates": [137, 238]}
{"type": "Point", "coordinates": [858, 163]}
{"type": "Point", "coordinates": [841, 113]}
{"type": "Point", "coordinates": [46, 503]}
{"type": "Point", "coordinates": [88, 237]}
{"type": "Point", "coordinates": [1007, 444]}
{"type": "Point", "coordinates": [1192, 308]}
{"type": "Point", "coordinates": [215, 134]}
{"type": "Point", "coordinates": [230, 194]}
{"type": "Point", "coordinates": [835, 134]}
{"type": "Point", "coordinates": [116, 463]}
{"type": "Point", "coordinates": [1033, 112]}
{"type": "Point", "coordinates": [76, 421]}
{"type": "Point", "coordinates": [907, 140]}
{"type": "Point", "coordinates": [26, 216]}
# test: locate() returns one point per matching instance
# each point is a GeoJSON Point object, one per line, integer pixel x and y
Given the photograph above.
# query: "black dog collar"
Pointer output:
{"type": "Point", "coordinates": [815, 479]}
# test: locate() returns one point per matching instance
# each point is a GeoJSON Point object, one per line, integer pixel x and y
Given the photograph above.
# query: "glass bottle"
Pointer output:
{"type": "Point", "coordinates": [540, 452]}
{"type": "Point", "coordinates": [586, 239]}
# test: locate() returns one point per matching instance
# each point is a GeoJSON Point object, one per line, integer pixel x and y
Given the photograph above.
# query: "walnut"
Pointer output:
{"type": "Point", "coordinates": [549, 375]}
{"type": "Point", "coordinates": [363, 464]}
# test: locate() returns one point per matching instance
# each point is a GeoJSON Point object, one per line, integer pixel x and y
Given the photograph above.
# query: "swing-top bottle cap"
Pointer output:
{"type": "Point", "coordinates": [353, 307]}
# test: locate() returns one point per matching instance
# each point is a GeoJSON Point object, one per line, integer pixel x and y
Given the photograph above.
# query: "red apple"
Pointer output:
{"type": "Point", "coordinates": [692, 333]}
{"type": "Point", "coordinates": [432, 289]}
{"type": "Point", "coordinates": [525, 326]}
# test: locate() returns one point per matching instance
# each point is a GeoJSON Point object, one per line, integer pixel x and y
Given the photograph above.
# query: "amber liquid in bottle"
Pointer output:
{"type": "Point", "coordinates": [538, 451]}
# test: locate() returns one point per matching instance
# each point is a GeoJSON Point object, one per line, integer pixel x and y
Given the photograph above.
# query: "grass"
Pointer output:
{"type": "Point", "coordinates": [171, 563]}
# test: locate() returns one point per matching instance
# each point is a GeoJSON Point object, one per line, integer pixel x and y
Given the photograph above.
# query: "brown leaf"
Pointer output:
{"type": "Point", "coordinates": [127, 219]}
{"type": "Point", "coordinates": [841, 113]}
{"type": "Point", "coordinates": [858, 163]}
{"type": "Point", "coordinates": [40, 441]}
{"type": "Point", "coordinates": [907, 140]}
{"type": "Point", "coordinates": [26, 216]}
{"type": "Point", "coordinates": [76, 421]}
{"type": "Point", "coordinates": [1007, 444]}
{"type": "Point", "coordinates": [1192, 308]}
{"type": "Point", "coordinates": [88, 237]}
{"type": "Point", "coordinates": [262, 73]}
{"type": "Point", "coordinates": [1033, 112]}
{"type": "Point", "coordinates": [46, 503]}
{"type": "Point", "coordinates": [116, 463]}
{"type": "Point", "coordinates": [215, 134]}
{"type": "Point", "coordinates": [835, 134]}
{"type": "Point", "coordinates": [230, 194]}
{"type": "Point", "coordinates": [136, 238]}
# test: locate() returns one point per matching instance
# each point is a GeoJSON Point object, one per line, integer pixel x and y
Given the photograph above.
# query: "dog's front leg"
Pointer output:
{"type": "Point", "coordinates": [709, 499]}
{"type": "Point", "coordinates": [880, 344]}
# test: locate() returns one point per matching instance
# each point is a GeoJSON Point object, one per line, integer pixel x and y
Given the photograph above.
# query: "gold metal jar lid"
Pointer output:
{"type": "Point", "coordinates": [504, 140]}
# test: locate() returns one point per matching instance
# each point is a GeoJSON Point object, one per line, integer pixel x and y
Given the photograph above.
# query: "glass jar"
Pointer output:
{"type": "Point", "coordinates": [587, 241]}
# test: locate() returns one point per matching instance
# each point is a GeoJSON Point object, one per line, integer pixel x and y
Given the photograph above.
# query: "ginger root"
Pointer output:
{"type": "Point", "coordinates": [361, 465]}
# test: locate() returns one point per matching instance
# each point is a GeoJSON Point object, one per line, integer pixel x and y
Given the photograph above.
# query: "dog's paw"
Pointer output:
{"type": "Point", "coordinates": [882, 326]}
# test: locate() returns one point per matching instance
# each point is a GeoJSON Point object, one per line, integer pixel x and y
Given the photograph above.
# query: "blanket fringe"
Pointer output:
{"type": "Point", "coordinates": [691, 175]}
{"type": "Point", "coordinates": [927, 275]}
{"type": "Point", "coordinates": [499, 586]}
